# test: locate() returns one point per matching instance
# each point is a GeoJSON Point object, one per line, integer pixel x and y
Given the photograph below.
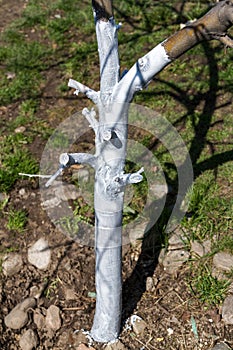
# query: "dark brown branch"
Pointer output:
{"type": "Point", "coordinates": [103, 9]}
{"type": "Point", "coordinates": [213, 25]}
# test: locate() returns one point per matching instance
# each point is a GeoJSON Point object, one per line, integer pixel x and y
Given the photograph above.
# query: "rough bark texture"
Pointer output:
{"type": "Point", "coordinates": [212, 25]}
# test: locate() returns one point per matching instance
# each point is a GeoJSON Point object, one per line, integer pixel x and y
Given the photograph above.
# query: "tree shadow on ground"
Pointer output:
{"type": "Point", "coordinates": [135, 285]}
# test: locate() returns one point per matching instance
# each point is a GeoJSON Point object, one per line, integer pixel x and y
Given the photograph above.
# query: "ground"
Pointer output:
{"type": "Point", "coordinates": [168, 305]}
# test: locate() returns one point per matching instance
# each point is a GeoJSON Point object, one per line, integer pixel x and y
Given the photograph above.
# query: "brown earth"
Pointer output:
{"type": "Point", "coordinates": [167, 307]}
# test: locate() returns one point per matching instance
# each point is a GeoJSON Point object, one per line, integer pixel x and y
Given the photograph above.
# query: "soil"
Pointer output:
{"type": "Point", "coordinates": [167, 307]}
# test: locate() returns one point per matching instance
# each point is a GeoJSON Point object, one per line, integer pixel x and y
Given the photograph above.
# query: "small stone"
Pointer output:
{"type": "Point", "coordinates": [51, 203]}
{"type": "Point", "coordinates": [221, 346]}
{"type": "Point", "coordinates": [53, 319]}
{"type": "Point", "coordinates": [28, 340]}
{"type": "Point", "coordinates": [39, 319]}
{"type": "Point", "coordinates": [227, 310]}
{"type": "Point", "coordinates": [16, 319]}
{"type": "Point", "coordinates": [36, 291]}
{"type": "Point", "coordinates": [70, 294]}
{"type": "Point", "coordinates": [200, 249]}
{"type": "Point", "coordinates": [116, 345]}
{"type": "Point", "coordinates": [197, 248]}
{"type": "Point", "coordinates": [149, 284]}
{"type": "Point", "coordinates": [66, 192]}
{"type": "Point", "coordinates": [176, 241]}
{"type": "Point", "coordinates": [83, 175]}
{"type": "Point", "coordinates": [138, 324]}
{"type": "Point", "coordinates": [28, 303]}
{"type": "Point", "coordinates": [39, 254]}
{"type": "Point", "coordinates": [20, 130]}
{"type": "Point", "coordinates": [173, 260]}
{"type": "Point", "coordinates": [80, 338]}
{"type": "Point", "coordinates": [12, 264]}
{"type": "Point", "coordinates": [23, 193]}
{"type": "Point", "coordinates": [18, 316]}
{"type": "Point", "coordinates": [223, 261]}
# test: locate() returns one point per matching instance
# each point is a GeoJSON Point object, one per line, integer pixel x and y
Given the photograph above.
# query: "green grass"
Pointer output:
{"type": "Point", "coordinates": [15, 158]}
{"type": "Point", "coordinates": [17, 220]}
{"type": "Point", "coordinates": [206, 288]}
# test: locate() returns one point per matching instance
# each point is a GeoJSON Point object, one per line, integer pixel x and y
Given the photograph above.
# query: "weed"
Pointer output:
{"type": "Point", "coordinates": [14, 159]}
{"type": "Point", "coordinates": [17, 220]}
{"type": "Point", "coordinates": [207, 288]}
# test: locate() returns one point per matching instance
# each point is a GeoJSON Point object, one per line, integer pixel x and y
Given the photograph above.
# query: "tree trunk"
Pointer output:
{"type": "Point", "coordinates": [111, 138]}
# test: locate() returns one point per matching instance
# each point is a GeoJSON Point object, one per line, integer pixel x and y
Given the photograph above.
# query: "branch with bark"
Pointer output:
{"type": "Point", "coordinates": [111, 138]}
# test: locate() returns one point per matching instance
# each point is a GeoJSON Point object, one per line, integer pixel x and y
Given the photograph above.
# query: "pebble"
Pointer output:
{"type": "Point", "coordinates": [83, 175]}
{"type": "Point", "coordinates": [39, 319]}
{"type": "Point", "coordinates": [176, 241]}
{"type": "Point", "coordinates": [221, 346]}
{"type": "Point", "coordinates": [28, 340]}
{"type": "Point", "coordinates": [39, 254]}
{"type": "Point", "coordinates": [149, 284]}
{"type": "Point", "coordinates": [12, 264]}
{"type": "Point", "coordinates": [223, 261]}
{"type": "Point", "coordinates": [18, 317]}
{"type": "Point", "coordinates": [70, 294]}
{"type": "Point", "coordinates": [51, 203]}
{"type": "Point", "coordinates": [138, 324]}
{"type": "Point", "coordinates": [66, 192]}
{"type": "Point", "coordinates": [227, 310]}
{"type": "Point", "coordinates": [173, 260]}
{"type": "Point", "coordinates": [28, 303]}
{"type": "Point", "coordinates": [20, 130]}
{"type": "Point", "coordinates": [200, 249]}
{"type": "Point", "coordinates": [53, 319]}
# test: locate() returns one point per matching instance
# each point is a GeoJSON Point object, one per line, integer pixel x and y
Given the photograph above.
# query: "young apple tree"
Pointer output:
{"type": "Point", "coordinates": [110, 129]}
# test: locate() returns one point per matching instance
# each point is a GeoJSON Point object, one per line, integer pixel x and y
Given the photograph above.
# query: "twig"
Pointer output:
{"type": "Point", "coordinates": [36, 175]}
{"type": "Point", "coordinates": [73, 308]}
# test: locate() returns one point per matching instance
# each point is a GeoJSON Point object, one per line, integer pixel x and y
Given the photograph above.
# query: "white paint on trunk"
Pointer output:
{"type": "Point", "coordinates": [141, 73]}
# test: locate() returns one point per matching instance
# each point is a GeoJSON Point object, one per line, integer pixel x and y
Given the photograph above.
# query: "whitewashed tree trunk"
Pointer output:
{"type": "Point", "coordinates": [111, 137]}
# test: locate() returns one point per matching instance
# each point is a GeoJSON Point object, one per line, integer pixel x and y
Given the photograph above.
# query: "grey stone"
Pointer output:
{"type": "Point", "coordinates": [223, 261]}
{"type": "Point", "coordinates": [173, 259]}
{"type": "Point", "coordinates": [20, 130]}
{"type": "Point", "coordinates": [16, 319]}
{"type": "Point", "coordinates": [66, 192]}
{"type": "Point", "coordinates": [28, 340]}
{"type": "Point", "coordinates": [39, 319]}
{"type": "Point", "coordinates": [138, 324]}
{"type": "Point", "coordinates": [39, 254]}
{"type": "Point", "coordinates": [200, 249]}
{"type": "Point", "coordinates": [83, 175]}
{"type": "Point", "coordinates": [28, 303]}
{"type": "Point", "coordinates": [70, 294]}
{"type": "Point", "coordinates": [51, 203]}
{"type": "Point", "coordinates": [176, 241]}
{"type": "Point", "coordinates": [53, 319]}
{"type": "Point", "coordinates": [12, 264]}
{"type": "Point", "coordinates": [149, 284]}
{"type": "Point", "coordinates": [221, 346]}
{"type": "Point", "coordinates": [227, 310]}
